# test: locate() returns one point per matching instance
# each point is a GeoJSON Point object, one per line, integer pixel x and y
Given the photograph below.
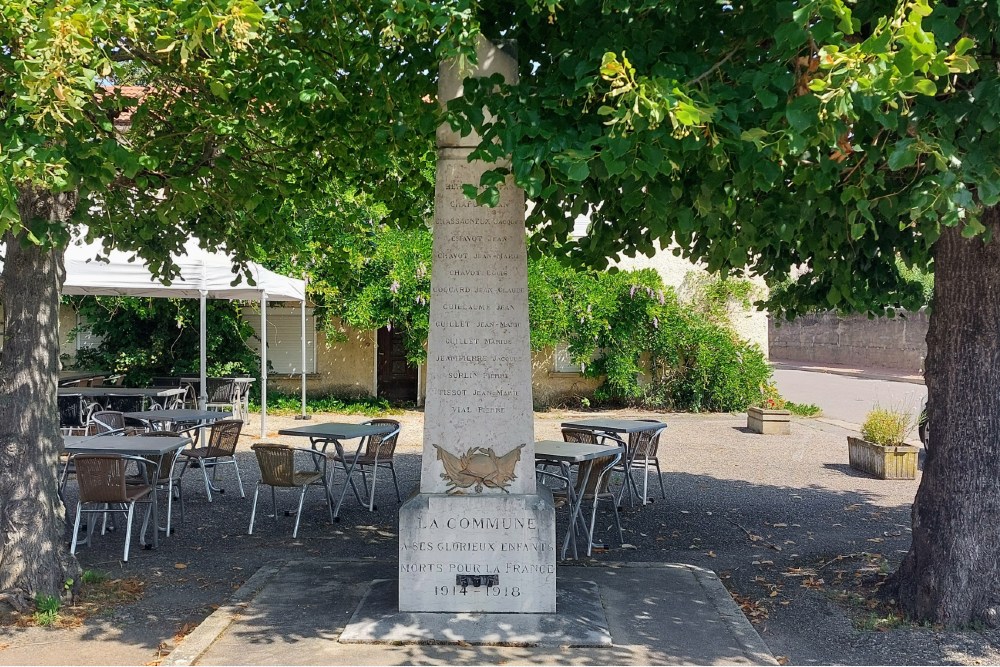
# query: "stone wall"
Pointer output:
{"type": "Point", "coordinates": [827, 338]}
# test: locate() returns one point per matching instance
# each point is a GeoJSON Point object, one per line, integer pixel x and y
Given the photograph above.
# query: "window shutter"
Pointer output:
{"type": "Point", "coordinates": [284, 331]}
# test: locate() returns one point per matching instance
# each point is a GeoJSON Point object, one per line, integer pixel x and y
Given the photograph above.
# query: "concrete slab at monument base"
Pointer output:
{"type": "Point", "coordinates": [580, 621]}
{"type": "Point", "coordinates": [293, 613]}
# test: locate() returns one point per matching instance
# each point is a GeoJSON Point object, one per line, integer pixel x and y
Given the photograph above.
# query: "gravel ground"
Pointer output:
{"type": "Point", "coordinates": [791, 529]}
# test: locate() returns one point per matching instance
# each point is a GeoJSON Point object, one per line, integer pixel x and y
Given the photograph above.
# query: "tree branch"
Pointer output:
{"type": "Point", "coordinates": [713, 68]}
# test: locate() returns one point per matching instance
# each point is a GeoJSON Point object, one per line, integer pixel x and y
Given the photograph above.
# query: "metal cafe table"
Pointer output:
{"type": "Point", "coordinates": [130, 445]}
{"type": "Point", "coordinates": [566, 455]}
{"type": "Point", "coordinates": [92, 394]}
{"type": "Point", "coordinates": [321, 435]}
{"type": "Point", "coordinates": [201, 418]}
{"type": "Point", "coordinates": [618, 427]}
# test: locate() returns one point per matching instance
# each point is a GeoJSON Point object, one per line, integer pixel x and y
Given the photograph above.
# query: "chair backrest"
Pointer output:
{"type": "Point", "coordinates": [221, 390]}
{"type": "Point", "coordinates": [580, 435]}
{"type": "Point", "coordinates": [114, 381]}
{"type": "Point", "coordinates": [123, 403]}
{"type": "Point", "coordinates": [600, 475]}
{"type": "Point", "coordinates": [106, 421]}
{"type": "Point", "coordinates": [71, 412]}
{"type": "Point", "coordinates": [166, 461]}
{"type": "Point", "coordinates": [97, 381]}
{"type": "Point", "coordinates": [189, 397]}
{"type": "Point", "coordinates": [645, 443]}
{"type": "Point", "coordinates": [223, 437]}
{"type": "Point", "coordinates": [277, 463]}
{"type": "Point", "coordinates": [383, 444]}
{"type": "Point", "coordinates": [101, 477]}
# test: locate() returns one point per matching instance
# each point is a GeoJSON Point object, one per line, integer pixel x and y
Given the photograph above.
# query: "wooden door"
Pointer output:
{"type": "Point", "coordinates": [397, 378]}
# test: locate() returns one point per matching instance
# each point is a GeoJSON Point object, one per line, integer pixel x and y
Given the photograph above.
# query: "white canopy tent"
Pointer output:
{"type": "Point", "coordinates": [203, 275]}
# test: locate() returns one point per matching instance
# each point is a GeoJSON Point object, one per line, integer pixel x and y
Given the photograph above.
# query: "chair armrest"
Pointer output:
{"type": "Point", "coordinates": [147, 468]}
{"type": "Point", "coordinates": [316, 455]}
{"type": "Point", "coordinates": [606, 437]}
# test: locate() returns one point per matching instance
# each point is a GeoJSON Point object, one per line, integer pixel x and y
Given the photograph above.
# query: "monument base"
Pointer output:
{"type": "Point", "coordinates": [582, 622]}
{"type": "Point", "coordinates": [478, 553]}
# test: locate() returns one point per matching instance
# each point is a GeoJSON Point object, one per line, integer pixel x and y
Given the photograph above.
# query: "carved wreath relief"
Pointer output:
{"type": "Point", "coordinates": [479, 467]}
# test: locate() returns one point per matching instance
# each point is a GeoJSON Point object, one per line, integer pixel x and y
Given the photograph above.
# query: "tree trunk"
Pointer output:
{"type": "Point", "coordinates": [34, 558]}
{"type": "Point", "coordinates": [952, 568]}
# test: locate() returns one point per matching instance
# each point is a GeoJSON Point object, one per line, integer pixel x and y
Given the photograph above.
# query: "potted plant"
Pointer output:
{"type": "Point", "coordinates": [880, 450]}
{"type": "Point", "coordinates": [769, 417]}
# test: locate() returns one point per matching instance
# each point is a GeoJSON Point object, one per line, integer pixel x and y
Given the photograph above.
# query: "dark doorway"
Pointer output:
{"type": "Point", "coordinates": [397, 378]}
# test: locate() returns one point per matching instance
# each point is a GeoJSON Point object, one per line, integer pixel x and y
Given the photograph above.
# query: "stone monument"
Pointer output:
{"type": "Point", "coordinates": [479, 537]}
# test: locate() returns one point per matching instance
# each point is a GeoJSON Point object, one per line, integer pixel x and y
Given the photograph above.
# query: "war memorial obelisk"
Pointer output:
{"type": "Point", "coordinates": [479, 537]}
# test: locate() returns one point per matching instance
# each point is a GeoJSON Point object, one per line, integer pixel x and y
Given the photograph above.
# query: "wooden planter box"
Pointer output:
{"type": "Point", "coordinates": [898, 462]}
{"type": "Point", "coordinates": [769, 422]}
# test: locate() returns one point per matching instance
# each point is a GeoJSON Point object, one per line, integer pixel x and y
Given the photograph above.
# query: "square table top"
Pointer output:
{"type": "Point", "coordinates": [179, 415]}
{"type": "Point", "coordinates": [614, 425]}
{"type": "Point", "coordinates": [117, 444]}
{"type": "Point", "coordinates": [571, 452]}
{"type": "Point", "coordinates": [337, 431]}
{"type": "Point", "coordinates": [160, 392]}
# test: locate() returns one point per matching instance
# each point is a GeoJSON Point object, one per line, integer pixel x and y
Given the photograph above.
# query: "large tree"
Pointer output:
{"type": "Point", "coordinates": [144, 122]}
{"type": "Point", "coordinates": [822, 137]}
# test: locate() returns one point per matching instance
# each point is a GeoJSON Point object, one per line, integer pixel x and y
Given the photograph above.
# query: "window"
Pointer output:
{"type": "Point", "coordinates": [284, 333]}
{"type": "Point", "coordinates": [564, 362]}
{"type": "Point", "coordinates": [85, 338]}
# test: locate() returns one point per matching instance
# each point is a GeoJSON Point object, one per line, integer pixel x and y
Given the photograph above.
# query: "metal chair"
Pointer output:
{"type": "Point", "coordinates": [378, 452]}
{"type": "Point", "coordinates": [73, 414]}
{"type": "Point", "coordinates": [593, 478]}
{"type": "Point", "coordinates": [166, 479]}
{"type": "Point", "coordinates": [103, 483]}
{"type": "Point", "coordinates": [642, 452]}
{"type": "Point", "coordinates": [223, 394]}
{"type": "Point", "coordinates": [277, 469]}
{"type": "Point", "coordinates": [73, 418]}
{"type": "Point", "coordinates": [106, 422]}
{"type": "Point", "coordinates": [223, 437]}
{"type": "Point", "coordinates": [128, 403]}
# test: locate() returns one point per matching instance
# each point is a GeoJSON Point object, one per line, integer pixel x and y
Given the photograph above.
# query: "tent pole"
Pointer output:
{"type": "Point", "coordinates": [263, 364]}
{"type": "Point", "coordinates": [303, 415]}
{"type": "Point", "coordinates": [202, 344]}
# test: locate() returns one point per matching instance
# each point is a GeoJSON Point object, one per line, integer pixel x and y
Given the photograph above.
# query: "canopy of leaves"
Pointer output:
{"type": "Point", "coordinates": [822, 136]}
{"type": "Point", "coordinates": [217, 118]}
{"type": "Point", "coordinates": [144, 338]}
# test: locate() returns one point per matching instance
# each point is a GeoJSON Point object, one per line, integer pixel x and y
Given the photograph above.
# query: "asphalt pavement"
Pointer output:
{"type": "Point", "coordinates": [846, 394]}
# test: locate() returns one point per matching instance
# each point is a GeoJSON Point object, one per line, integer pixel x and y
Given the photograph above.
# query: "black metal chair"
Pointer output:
{"type": "Point", "coordinates": [73, 413]}
{"type": "Point", "coordinates": [223, 394]}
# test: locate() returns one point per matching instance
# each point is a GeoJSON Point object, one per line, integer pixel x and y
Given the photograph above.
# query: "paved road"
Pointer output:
{"type": "Point", "coordinates": [844, 397]}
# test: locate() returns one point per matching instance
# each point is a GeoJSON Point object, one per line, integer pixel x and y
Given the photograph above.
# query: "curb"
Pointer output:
{"type": "Point", "coordinates": [885, 375]}
{"type": "Point", "coordinates": [747, 636]}
{"type": "Point", "coordinates": [194, 645]}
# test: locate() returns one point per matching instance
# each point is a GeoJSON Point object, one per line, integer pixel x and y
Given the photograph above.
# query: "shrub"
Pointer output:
{"type": "Point", "coordinates": [803, 409]}
{"type": "Point", "coordinates": [886, 427]}
{"type": "Point", "coordinates": [652, 350]}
